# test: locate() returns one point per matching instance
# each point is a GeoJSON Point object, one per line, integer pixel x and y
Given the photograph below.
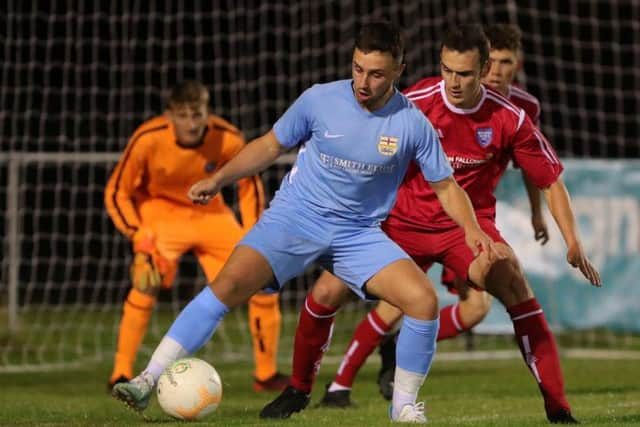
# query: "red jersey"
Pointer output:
{"type": "Point", "coordinates": [479, 143]}
{"type": "Point", "coordinates": [529, 103]}
{"type": "Point", "coordinates": [526, 101]}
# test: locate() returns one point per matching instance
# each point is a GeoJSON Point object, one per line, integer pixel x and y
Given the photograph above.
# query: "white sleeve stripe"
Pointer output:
{"type": "Point", "coordinates": [419, 91]}
{"type": "Point", "coordinates": [545, 147]}
{"type": "Point", "coordinates": [519, 93]}
{"type": "Point", "coordinates": [521, 117]}
{"type": "Point", "coordinates": [509, 106]}
{"type": "Point", "coordinates": [424, 90]}
{"type": "Point", "coordinates": [527, 97]}
{"type": "Point", "coordinates": [506, 104]}
{"type": "Point", "coordinates": [423, 96]}
{"type": "Point", "coordinates": [413, 96]}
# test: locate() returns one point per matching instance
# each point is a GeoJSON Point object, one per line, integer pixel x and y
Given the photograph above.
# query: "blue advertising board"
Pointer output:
{"type": "Point", "coordinates": [606, 200]}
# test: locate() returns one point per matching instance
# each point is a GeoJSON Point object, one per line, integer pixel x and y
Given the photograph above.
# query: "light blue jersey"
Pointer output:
{"type": "Point", "coordinates": [353, 161]}
{"type": "Point", "coordinates": [328, 208]}
{"type": "Point", "coordinates": [343, 184]}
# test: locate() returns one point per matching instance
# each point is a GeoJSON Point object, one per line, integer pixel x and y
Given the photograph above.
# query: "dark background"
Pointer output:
{"type": "Point", "coordinates": [80, 76]}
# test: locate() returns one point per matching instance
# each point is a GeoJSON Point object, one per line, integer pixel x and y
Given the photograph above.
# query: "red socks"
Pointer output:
{"type": "Point", "coordinates": [370, 332]}
{"type": "Point", "coordinates": [313, 336]}
{"type": "Point", "coordinates": [450, 322]}
{"type": "Point", "coordinates": [534, 337]}
{"type": "Point", "coordinates": [538, 348]}
{"type": "Point", "coordinates": [366, 338]}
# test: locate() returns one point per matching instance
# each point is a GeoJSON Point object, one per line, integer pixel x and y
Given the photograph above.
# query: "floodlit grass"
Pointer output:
{"type": "Point", "coordinates": [465, 393]}
{"type": "Point", "coordinates": [475, 393]}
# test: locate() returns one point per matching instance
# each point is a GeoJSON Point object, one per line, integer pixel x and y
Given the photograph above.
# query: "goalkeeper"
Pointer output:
{"type": "Point", "coordinates": [146, 199]}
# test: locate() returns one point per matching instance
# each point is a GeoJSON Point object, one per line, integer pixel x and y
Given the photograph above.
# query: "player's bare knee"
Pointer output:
{"type": "Point", "coordinates": [231, 292]}
{"type": "Point", "coordinates": [221, 286]}
{"type": "Point", "coordinates": [475, 307]}
{"type": "Point", "coordinates": [505, 280]}
{"type": "Point", "coordinates": [518, 283]}
{"type": "Point", "coordinates": [420, 303]}
{"type": "Point", "coordinates": [482, 302]}
{"type": "Point", "coordinates": [389, 314]}
{"type": "Point", "coordinates": [498, 278]}
{"type": "Point", "coordinates": [329, 291]}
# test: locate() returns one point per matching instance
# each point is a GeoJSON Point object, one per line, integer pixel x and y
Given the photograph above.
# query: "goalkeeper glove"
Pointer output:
{"type": "Point", "coordinates": [148, 266]}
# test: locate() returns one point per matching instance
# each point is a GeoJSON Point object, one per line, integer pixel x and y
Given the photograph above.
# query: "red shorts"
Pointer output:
{"type": "Point", "coordinates": [448, 278]}
{"type": "Point", "coordinates": [446, 247]}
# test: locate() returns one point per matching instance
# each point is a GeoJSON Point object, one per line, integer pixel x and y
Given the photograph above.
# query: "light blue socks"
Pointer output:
{"type": "Point", "coordinates": [415, 349]}
{"type": "Point", "coordinates": [416, 344]}
{"type": "Point", "coordinates": [193, 327]}
{"type": "Point", "coordinates": [198, 321]}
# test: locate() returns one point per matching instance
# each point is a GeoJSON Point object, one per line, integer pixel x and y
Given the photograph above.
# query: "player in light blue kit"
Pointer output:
{"type": "Point", "coordinates": [358, 137]}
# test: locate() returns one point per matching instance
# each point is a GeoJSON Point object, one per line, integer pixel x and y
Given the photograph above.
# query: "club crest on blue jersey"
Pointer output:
{"type": "Point", "coordinates": [388, 145]}
{"type": "Point", "coordinates": [484, 136]}
{"type": "Point", "coordinates": [209, 167]}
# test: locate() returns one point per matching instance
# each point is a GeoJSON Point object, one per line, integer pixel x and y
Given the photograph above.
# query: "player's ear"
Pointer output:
{"type": "Point", "coordinates": [400, 70]}
{"type": "Point", "coordinates": [485, 68]}
{"type": "Point", "coordinates": [520, 64]}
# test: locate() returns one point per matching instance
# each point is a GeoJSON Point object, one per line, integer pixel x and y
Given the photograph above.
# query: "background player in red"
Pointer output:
{"type": "Point", "coordinates": [146, 199]}
{"type": "Point", "coordinates": [505, 57]}
{"type": "Point", "coordinates": [481, 132]}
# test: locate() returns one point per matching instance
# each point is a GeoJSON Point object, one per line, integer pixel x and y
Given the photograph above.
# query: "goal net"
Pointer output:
{"type": "Point", "coordinates": [77, 78]}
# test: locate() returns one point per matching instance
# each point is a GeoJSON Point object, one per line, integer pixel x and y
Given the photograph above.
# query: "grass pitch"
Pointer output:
{"type": "Point", "coordinates": [468, 393]}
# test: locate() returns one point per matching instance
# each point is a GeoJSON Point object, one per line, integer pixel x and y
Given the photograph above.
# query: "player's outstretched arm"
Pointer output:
{"type": "Point", "coordinates": [557, 198]}
{"type": "Point", "coordinates": [457, 205]}
{"type": "Point", "coordinates": [254, 157]}
{"type": "Point", "coordinates": [540, 231]}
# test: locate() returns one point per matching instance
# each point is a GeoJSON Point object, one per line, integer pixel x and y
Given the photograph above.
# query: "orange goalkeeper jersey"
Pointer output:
{"type": "Point", "coordinates": [155, 165]}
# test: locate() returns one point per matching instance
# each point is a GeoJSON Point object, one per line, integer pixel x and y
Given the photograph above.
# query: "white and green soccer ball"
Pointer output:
{"type": "Point", "coordinates": [189, 389]}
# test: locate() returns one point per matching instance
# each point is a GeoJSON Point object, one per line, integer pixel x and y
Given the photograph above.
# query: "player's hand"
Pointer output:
{"type": "Point", "coordinates": [478, 241]}
{"type": "Point", "coordinates": [540, 231]}
{"type": "Point", "coordinates": [149, 266]}
{"type": "Point", "coordinates": [577, 258]}
{"type": "Point", "coordinates": [202, 191]}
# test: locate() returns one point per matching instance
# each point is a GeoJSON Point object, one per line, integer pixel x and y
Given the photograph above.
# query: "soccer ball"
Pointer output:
{"type": "Point", "coordinates": [189, 389]}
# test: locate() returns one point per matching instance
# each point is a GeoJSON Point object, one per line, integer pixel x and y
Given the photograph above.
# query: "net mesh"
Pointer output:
{"type": "Point", "coordinates": [78, 77]}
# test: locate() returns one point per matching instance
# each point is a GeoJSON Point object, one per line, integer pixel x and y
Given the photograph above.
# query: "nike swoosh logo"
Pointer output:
{"type": "Point", "coordinates": [332, 135]}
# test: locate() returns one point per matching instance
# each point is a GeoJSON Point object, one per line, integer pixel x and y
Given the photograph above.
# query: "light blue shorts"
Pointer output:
{"type": "Point", "coordinates": [291, 240]}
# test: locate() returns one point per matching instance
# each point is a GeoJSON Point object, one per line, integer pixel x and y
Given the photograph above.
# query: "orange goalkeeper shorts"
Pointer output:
{"type": "Point", "coordinates": [179, 229]}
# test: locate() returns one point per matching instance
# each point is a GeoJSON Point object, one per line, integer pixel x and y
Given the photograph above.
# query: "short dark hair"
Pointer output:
{"type": "Point", "coordinates": [504, 36]}
{"type": "Point", "coordinates": [382, 36]}
{"type": "Point", "coordinates": [467, 37]}
{"type": "Point", "coordinates": [189, 92]}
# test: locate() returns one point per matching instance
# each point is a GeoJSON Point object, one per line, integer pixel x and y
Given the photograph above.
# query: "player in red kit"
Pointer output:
{"type": "Point", "coordinates": [505, 56]}
{"type": "Point", "coordinates": [481, 131]}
